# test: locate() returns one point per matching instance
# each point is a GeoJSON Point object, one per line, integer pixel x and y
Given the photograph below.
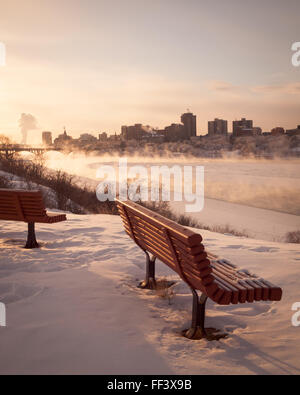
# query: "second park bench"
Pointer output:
{"type": "Point", "coordinates": [26, 206]}
{"type": "Point", "coordinates": [182, 250]}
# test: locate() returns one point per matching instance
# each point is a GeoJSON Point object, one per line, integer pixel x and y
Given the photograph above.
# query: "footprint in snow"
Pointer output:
{"type": "Point", "coordinates": [235, 246]}
{"type": "Point", "coordinates": [264, 249]}
{"type": "Point", "coordinates": [14, 292]}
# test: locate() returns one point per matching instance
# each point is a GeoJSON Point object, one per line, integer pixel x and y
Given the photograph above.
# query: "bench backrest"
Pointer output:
{"type": "Point", "coordinates": [21, 205]}
{"type": "Point", "coordinates": [178, 247]}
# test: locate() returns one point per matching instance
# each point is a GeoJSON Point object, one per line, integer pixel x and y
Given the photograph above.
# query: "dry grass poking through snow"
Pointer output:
{"type": "Point", "coordinates": [185, 220]}
{"type": "Point", "coordinates": [164, 289]}
{"type": "Point", "coordinates": [69, 195]}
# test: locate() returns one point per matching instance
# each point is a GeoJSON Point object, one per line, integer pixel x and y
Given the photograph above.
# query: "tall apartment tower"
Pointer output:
{"type": "Point", "coordinates": [217, 127]}
{"type": "Point", "coordinates": [47, 138]}
{"type": "Point", "coordinates": [244, 123]}
{"type": "Point", "coordinates": [189, 121]}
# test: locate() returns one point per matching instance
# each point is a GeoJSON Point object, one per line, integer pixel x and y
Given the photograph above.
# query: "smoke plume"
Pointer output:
{"type": "Point", "coordinates": [27, 122]}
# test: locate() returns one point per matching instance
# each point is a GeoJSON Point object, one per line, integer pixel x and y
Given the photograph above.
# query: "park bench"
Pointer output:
{"type": "Point", "coordinates": [26, 206]}
{"type": "Point", "coordinates": [182, 250]}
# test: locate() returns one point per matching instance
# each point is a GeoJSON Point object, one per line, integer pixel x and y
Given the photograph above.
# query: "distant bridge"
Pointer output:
{"type": "Point", "coordinates": [10, 150]}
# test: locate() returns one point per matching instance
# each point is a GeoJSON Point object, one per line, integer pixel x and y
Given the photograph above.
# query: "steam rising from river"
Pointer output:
{"type": "Point", "coordinates": [269, 184]}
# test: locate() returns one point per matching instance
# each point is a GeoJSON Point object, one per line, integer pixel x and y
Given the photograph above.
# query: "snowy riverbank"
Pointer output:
{"type": "Point", "coordinates": [73, 306]}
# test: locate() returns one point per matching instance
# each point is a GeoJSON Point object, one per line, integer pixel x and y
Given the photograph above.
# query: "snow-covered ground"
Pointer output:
{"type": "Point", "coordinates": [254, 222]}
{"type": "Point", "coordinates": [73, 306]}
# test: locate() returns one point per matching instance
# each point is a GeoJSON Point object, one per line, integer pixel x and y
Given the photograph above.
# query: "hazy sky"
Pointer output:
{"type": "Point", "coordinates": [93, 65]}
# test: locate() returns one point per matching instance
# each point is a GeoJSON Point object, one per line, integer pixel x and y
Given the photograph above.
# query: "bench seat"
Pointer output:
{"type": "Point", "coordinates": [239, 286]}
{"type": "Point", "coordinates": [48, 218]}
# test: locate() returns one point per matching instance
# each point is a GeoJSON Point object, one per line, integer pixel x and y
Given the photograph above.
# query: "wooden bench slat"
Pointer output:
{"type": "Point", "coordinates": [154, 242]}
{"type": "Point", "coordinates": [216, 297]}
{"type": "Point", "coordinates": [33, 208]}
{"type": "Point", "coordinates": [7, 217]}
{"type": "Point", "coordinates": [199, 284]}
{"type": "Point", "coordinates": [178, 246]}
{"type": "Point", "coordinates": [257, 289]}
{"type": "Point", "coordinates": [140, 219]}
{"type": "Point", "coordinates": [235, 293]}
{"type": "Point", "coordinates": [240, 292]}
{"type": "Point", "coordinates": [144, 234]}
{"type": "Point", "coordinates": [24, 192]}
{"type": "Point", "coordinates": [177, 231]}
{"type": "Point", "coordinates": [183, 253]}
{"type": "Point", "coordinates": [199, 262]}
{"type": "Point", "coordinates": [261, 290]}
{"type": "Point", "coordinates": [160, 238]}
{"type": "Point", "coordinates": [7, 206]}
{"type": "Point", "coordinates": [192, 275]}
{"type": "Point", "coordinates": [157, 253]}
{"type": "Point", "coordinates": [8, 209]}
{"type": "Point", "coordinates": [202, 273]}
{"type": "Point", "coordinates": [264, 289]}
{"type": "Point", "coordinates": [32, 201]}
{"type": "Point", "coordinates": [226, 296]}
{"type": "Point", "coordinates": [200, 270]}
{"type": "Point", "coordinates": [197, 249]}
{"type": "Point", "coordinates": [47, 219]}
{"type": "Point", "coordinates": [188, 252]}
{"type": "Point", "coordinates": [275, 292]}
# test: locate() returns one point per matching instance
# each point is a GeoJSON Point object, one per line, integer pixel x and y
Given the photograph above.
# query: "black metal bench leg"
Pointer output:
{"type": "Point", "coordinates": [31, 240]}
{"type": "Point", "coordinates": [149, 282]}
{"type": "Point", "coordinates": [198, 330]}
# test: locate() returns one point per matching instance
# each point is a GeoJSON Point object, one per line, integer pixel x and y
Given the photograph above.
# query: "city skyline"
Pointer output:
{"type": "Point", "coordinates": [174, 131]}
{"type": "Point", "coordinates": [97, 66]}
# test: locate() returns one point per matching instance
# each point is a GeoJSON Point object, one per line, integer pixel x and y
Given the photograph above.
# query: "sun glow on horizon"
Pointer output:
{"type": "Point", "coordinates": [95, 71]}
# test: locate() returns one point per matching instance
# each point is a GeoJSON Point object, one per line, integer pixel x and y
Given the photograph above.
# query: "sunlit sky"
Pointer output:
{"type": "Point", "coordinates": [94, 65]}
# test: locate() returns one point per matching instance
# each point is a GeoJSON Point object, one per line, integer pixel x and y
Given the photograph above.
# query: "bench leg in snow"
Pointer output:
{"type": "Point", "coordinates": [149, 282]}
{"type": "Point", "coordinates": [198, 330]}
{"type": "Point", "coordinates": [31, 240]}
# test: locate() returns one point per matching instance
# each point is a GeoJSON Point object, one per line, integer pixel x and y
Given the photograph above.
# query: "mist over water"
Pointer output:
{"type": "Point", "coordinates": [269, 184]}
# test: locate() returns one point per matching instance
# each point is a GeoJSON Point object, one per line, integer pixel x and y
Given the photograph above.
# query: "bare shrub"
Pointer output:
{"type": "Point", "coordinates": [69, 195]}
{"type": "Point", "coordinates": [60, 182]}
{"type": "Point", "coordinates": [293, 237]}
{"type": "Point", "coordinates": [4, 182]}
{"type": "Point", "coordinates": [163, 208]}
{"type": "Point", "coordinates": [226, 229]}
{"type": "Point", "coordinates": [185, 220]}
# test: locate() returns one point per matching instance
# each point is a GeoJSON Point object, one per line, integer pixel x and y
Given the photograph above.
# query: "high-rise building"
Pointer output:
{"type": "Point", "coordinates": [277, 131]}
{"type": "Point", "coordinates": [175, 132]}
{"type": "Point", "coordinates": [47, 138]}
{"type": "Point", "coordinates": [217, 127]}
{"type": "Point", "coordinates": [189, 121]}
{"type": "Point", "coordinates": [62, 140]}
{"type": "Point", "coordinates": [102, 136]}
{"type": "Point", "coordinates": [293, 132]}
{"type": "Point", "coordinates": [87, 138]}
{"type": "Point", "coordinates": [135, 132]}
{"type": "Point", "coordinates": [244, 123]}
